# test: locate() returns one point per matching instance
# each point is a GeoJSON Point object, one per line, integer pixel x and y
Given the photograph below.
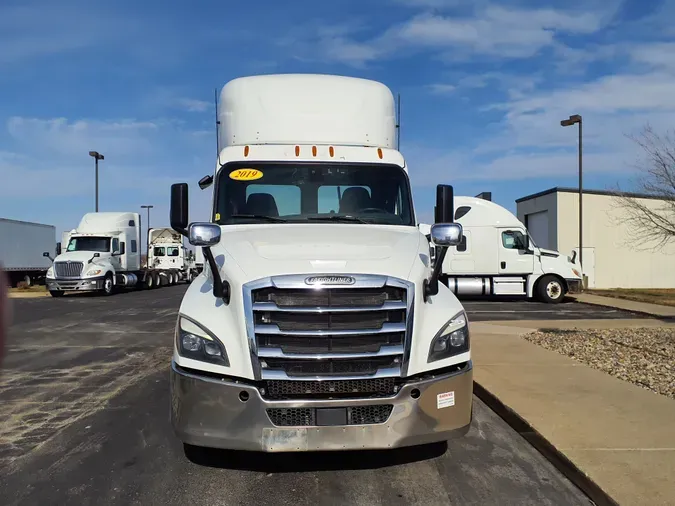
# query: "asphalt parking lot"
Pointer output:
{"type": "Point", "coordinates": [521, 309]}
{"type": "Point", "coordinates": [84, 420]}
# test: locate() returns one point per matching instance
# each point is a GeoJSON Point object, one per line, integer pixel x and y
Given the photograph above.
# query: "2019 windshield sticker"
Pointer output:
{"type": "Point", "coordinates": [246, 174]}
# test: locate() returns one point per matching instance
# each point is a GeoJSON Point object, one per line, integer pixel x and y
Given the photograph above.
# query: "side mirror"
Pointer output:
{"type": "Point", "coordinates": [46, 254]}
{"type": "Point", "coordinates": [205, 182]}
{"type": "Point", "coordinates": [58, 248]}
{"type": "Point", "coordinates": [446, 234]}
{"type": "Point", "coordinates": [445, 204]}
{"type": "Point", "coordinates": [97, 255]}
{"type": "Point", "coordinates": [204, 234]}
{"type": "Point", "coordinates": [116, 253]}
{"type": "Point", "coordinates": [179, 208]}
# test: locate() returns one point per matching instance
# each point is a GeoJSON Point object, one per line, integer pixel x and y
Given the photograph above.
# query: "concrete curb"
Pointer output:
{"type": "Point", "coordinates": [543, 446]}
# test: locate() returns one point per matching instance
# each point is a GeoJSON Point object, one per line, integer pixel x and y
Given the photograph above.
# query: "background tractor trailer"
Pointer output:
{"type": "Point", "coordinates": [168, 255]}
{"type": "Point", "coordinates": [497, 257]}
{"type": "Point", "coordinates": [318, 322]}
{"type": "Point", "coordinates": [25, 250]}
{"type": "Point", "coordinates": [102, 254]}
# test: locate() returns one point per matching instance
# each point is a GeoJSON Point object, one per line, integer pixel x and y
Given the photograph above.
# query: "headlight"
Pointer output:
{"type": "Point", "coordinates": [197, 343]}
{"type": "Point", "coordinates": [94, 272]}
{"type": "Point", "coordinates": [452, 339]}
{"type": "Point", "coordinates": [50, 272]}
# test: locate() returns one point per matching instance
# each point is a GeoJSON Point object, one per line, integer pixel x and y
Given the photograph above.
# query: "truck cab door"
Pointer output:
{"type": "Point", "coordinates": [116, 258]}
{"type": "Point", "coordinates": [515, 253]}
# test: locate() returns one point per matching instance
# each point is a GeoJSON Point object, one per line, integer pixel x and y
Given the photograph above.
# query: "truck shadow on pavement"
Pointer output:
{"type": "Point", "coordinates": [312, 461]}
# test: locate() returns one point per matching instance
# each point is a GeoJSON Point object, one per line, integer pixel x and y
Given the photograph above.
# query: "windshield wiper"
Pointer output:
{"type": "Point", "coordinates": [272, 219]}
{"type": "Point", "coordinates": [337, 217]}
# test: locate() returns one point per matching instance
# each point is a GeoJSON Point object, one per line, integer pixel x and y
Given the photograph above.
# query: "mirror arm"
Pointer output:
{"type": "Point", "coordinates": [221, 290]}
{"type": "Point", "coordinates": [431, 285]}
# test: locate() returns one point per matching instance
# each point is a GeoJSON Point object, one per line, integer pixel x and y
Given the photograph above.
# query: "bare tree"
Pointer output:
{"type": "Point", "coordinates": [651, 221]}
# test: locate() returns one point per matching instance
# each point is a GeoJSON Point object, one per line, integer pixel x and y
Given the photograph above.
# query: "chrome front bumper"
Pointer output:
{"type": "Point", "coordinates": [207, 411]}
{"type": "Point", "coordinates": [74, 284]}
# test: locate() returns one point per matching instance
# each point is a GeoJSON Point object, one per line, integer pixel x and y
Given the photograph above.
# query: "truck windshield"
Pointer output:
{"type": "Point", "coordinates": [158, 251]}
{"type": "Point", "coordinates": [101, 244]}
{"type": "Point", "coordinates": [313, 193]}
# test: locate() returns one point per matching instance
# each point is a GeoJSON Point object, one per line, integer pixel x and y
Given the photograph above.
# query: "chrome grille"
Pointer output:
{"type": "Point", "coordinates": [301, 332]}
{"type": "Point", "coordinates": [68, 269]}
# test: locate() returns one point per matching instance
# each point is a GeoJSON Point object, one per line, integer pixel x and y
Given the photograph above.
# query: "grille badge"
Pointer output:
{"type": "Point", "coordinates": [330, 280]}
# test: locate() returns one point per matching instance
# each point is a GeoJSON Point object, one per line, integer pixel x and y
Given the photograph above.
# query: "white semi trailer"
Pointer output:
{"type": "Point", "coordinates": [25, 250]}
{"type": "Point", "coordinates": [497, 257]}
{"type": "Point", "coordinates": [168, 255]}
{"type": "Point", "coordinates": [318, 322]}
{"type": "Point", "coordinates": [102, 254]}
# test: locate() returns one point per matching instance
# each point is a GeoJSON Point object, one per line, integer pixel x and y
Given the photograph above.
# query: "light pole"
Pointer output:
{"type": "Point", "coordinates": [574, 120]}
{"type": "Point", "coordinates": [147, 238]}
{"type": "Point", "coordinates": [97, 156]}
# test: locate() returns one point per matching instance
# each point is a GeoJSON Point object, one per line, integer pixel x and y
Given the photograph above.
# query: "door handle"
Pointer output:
{"type": "Point", "coordinates": [503, 265]}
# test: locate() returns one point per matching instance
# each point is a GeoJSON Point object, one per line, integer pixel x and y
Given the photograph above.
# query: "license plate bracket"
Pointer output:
{"type": "Point", "coordinates": [331, 416]}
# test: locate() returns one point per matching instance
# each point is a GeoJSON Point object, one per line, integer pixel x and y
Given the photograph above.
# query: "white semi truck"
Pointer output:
{"type": "Point", "coordinates": [497, 256]}
{"type": "Point", "coordinates": [318, 322]}
{"type": "Point", "coordinates": [103, 254]}
{"type": "Point", "coordinates": [168, 255]}
{"type": "Point", "coordinates": [25, 249]}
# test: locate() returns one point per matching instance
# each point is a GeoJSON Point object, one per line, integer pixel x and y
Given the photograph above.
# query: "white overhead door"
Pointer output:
{"type": "Point", "coordinates": [537, 225]}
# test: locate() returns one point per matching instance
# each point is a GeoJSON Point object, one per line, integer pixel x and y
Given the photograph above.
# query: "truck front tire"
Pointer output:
{"type": "Point", "coordinates": [551, 289]}
{"type": "Point", "coordinates": [56, 293]}
{"type": "Point", "coordinates": [108, 285]}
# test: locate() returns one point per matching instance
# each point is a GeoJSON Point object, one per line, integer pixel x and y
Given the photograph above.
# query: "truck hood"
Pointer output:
{"type": "Point", "coordinates": [266, 250]}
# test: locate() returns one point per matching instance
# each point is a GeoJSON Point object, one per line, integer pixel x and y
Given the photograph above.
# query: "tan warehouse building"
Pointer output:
{"type": "Point", "coordinates": [612, 256]}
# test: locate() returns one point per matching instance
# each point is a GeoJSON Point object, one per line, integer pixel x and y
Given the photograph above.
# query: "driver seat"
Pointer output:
{"type": "Point", "coordinates": [354, 199]}
{"type": "Point", "coordinates": [262, 204]}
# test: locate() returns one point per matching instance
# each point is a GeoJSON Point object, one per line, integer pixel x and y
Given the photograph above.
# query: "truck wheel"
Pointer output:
{"type": "Point", "coordinates": [551, 290]}
{"type": "Point", "coordinates": [172, 279]}
{"type": "Point", "coordinates": [28, 280]}
{"type": "Point", "coordinates": [189, 276]}
{"type": "Point", "coordinates": [56, 293]}
{"type": "Point", "coordinates": [158, 280]}
{"type": "Point", "coordinates": [149, 282]}
{"type": "Point", "coordinates": [108, 285]}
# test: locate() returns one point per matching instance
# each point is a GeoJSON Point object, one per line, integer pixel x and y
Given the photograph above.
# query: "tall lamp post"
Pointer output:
{"type": "Point", "coordinates": [147, 238]}
{"type": "Point", "coordinates": [97, 156]}
{"type": "Point", "coordinates": [576, 120]}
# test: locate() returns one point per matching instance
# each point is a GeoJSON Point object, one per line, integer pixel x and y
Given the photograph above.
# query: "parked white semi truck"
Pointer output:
{"type": "Point", "coordinates": [318, 323]}
{"type": "Point", "coordinates": [102, 254]}
{"type": "Point", "coordinates": [497, 256]}
{"type": "Point", "coordinates": [168, 255]}
{"type": "Point", "coordinates": [25, 249]}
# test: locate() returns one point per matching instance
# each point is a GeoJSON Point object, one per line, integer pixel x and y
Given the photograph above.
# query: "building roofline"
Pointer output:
{"type": "Point", "coordinates": [607, 193]}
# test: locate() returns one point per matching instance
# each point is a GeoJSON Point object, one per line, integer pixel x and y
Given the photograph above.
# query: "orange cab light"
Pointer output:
{"type": "Point", "coordinates": [313, 150]}
{"type": "Point", "coordinates": [297, 150]}
{"type": "Point", "coordinates": [245, 150]}
{"type": "Point", "coordinates": [379, 153]}
{"type": "Point", "coordinates": [331, 151]}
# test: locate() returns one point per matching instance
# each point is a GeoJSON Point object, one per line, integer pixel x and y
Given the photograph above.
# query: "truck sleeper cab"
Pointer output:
{"type": "Point", "coordinates": [316, 323]}
{"type": "Point", "coordinates": [497, 257]}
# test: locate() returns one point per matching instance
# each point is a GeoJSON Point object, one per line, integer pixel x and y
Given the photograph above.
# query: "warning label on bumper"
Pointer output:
{"type": "Point", "coordinates": [445, 400]}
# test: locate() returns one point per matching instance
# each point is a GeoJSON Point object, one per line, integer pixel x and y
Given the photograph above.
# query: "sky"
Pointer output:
{"type": "Point", "coordinates": [483, 85]}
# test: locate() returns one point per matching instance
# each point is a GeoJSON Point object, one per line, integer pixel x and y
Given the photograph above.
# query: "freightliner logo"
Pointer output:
{"type": "Point", "coordinates": [330, 280]}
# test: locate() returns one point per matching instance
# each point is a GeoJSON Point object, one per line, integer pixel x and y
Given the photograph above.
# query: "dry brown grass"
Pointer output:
{"type": "Point", "coordinates": [663, 296]}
